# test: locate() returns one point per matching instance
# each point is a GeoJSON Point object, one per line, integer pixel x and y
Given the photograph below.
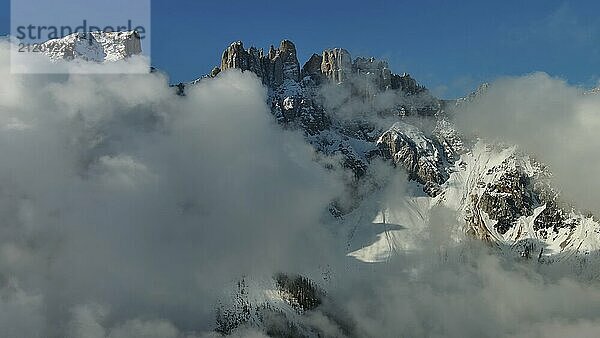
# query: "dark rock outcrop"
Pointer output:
{"type": "Point", "coordinates": [423, 158]}
{"type": "Point", "coordinates": [312, 68]}
{"type": "Point", "coordinates": [407, 84]}
{"type": "Point", "coordinates": [507, 199]}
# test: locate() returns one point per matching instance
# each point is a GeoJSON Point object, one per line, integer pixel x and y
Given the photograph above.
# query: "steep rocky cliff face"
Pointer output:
{"type": "Point", "coordinates": [274, 68]}
{"type": "Point", "coordinates": [424, 159]}
{"type": "Point", "coordinates": [336, 64]}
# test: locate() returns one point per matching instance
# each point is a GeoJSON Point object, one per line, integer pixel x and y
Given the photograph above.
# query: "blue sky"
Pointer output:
{"type": "Point", "coordinates": [450, 47]}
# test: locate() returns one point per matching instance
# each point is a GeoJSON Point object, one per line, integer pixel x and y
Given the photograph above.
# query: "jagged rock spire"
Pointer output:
{"type": "Point", "coordinates": [279, 65]}
{"type": "Point", "coordinates": [336, 64]}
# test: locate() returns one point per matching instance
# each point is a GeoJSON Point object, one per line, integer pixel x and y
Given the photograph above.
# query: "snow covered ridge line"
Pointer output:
{"type": "Point", "coordinates": [83, 53]}
{"type": "Point", "coordinates": [94, 46]}
{"type": "Point", "coordinates": [73, 31]}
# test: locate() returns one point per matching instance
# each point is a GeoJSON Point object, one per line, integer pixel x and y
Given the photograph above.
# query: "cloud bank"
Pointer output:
{"type": "Point", "coordinates": [550, 119]}
{"type": "Point", "coordinates": [125, 209]}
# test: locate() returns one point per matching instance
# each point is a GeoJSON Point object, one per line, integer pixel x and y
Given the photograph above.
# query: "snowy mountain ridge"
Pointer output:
{"type": "Point", "coordinates": [94, 46]}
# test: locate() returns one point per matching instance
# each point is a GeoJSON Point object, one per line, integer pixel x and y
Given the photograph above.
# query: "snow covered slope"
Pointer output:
{"type": "Point", "coordinates": [94, 46]}
{"type": "Point", "coordinates": [504, 197]}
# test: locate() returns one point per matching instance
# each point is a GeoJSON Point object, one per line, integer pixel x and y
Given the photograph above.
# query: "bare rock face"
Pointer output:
{"type": "Point", "coordinates": [376, 71]}
{"type": "Point", "coordinates": [235, 56]}
{"type": "Point", "coordinates": [507, 199]}
{"type": "Point", "coordinates": [336, 64]}
{"type": "Point", "coordinates": [312, 68]}
{"type": "Point", "coordinates": [294, 97]}
{"type": "Point", "coordinates": [274, 69]}
{"type": "Point", "coordinates": [423, 158]}
{"type": "Point", "coordinates": [406, 83]}
{"type": "Point", "coordinates": [290, 66]}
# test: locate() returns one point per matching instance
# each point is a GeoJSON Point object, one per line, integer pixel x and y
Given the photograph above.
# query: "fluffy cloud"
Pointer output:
{"type": "Point", "coordinates": [466, 292]}
{"type": "Point", "coordinates": [550, 119]}
{"type": "Point", "coordinates": [115, 191]}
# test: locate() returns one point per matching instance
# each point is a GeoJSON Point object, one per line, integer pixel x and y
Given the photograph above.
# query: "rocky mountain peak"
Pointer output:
{"type": "Point", "coordinates": [312, 67]}
{"type": "Point", "coordinates": [289, 61]}
{"type": "Point", "coordinates": [377, 71]}
{"type": "Point", "coordinates": [336, 64]}
{"type": "Point", "coordinates": [287, 46]}
{"type": "Point", "coordinates": [274, 69]}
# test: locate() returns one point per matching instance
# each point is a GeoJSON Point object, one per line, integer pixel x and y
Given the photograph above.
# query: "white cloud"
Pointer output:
{"type": "Point", "coordinates": [120, 192]}
{"type": "Point", "coordinates": [555, 122]}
